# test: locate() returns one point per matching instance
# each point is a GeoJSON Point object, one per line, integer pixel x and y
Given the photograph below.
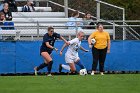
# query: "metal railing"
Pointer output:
{"type": "Point", "coordinates": [66, 8]}
{"type": "Point", "coordinates": [38, 30]}
{"type": "Point", "coordinates": [113, 23]}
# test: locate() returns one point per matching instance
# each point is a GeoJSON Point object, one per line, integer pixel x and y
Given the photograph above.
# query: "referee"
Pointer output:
{"type": "Point", "coordinates": [46, 49]}
{"type": "Point", "coordinates": [100, 48]}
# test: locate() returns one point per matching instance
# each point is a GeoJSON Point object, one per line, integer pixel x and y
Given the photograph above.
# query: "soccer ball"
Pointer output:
{"type": "Point", "coordinates": [83, 72]}
{"type": "Point", "coordinates": [93, 41]}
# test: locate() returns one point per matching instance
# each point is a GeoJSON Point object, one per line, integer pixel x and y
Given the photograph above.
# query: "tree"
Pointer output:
{"type": "Point", "coordinates": [131, 6]}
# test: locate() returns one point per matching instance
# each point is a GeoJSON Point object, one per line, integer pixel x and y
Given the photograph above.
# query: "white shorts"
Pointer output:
{"type": "Point", "coordinates": [69, 58]}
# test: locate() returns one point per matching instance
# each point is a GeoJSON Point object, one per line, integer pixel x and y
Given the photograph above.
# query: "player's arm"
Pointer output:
{"type": "Point", "coordinates": [64, 40]}
{"type": "Point", "coordinates": [60, 37]}
{"type": "Point", "coordinates": [49, 46]}
{"type": "Point", "coordinates": [83, 49]}
{"type": "Point", "coordinates": [46, 41]}
{"type": "Point", "coordinates": [63, 47]}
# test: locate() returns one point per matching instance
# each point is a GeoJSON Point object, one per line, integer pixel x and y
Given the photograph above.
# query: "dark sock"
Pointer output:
{"type": "Point", "coordinates": [50, 66]}
{"type": "Point", "coordinates": [80, 64]}
{"type": "Point", "coordinates": [41, 66]}
{"type": "Point", "coordinates": [73, 73]}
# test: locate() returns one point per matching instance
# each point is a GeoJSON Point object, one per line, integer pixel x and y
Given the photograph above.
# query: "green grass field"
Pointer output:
{"type": "Point", "coordinates": [111, 83]}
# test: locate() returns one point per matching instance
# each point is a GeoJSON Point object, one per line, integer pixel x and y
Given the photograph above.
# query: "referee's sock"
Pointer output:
{"type": "Point", "coordinates": [50, 67]}
{"type": "Point", "coordinates": [41, 66]}
{"type": "Point", "coordinates": [80, 64]}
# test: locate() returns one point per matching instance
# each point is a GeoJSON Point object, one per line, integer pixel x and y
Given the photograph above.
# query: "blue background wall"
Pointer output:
{"type": "Point", "coordinates": [22, 57]}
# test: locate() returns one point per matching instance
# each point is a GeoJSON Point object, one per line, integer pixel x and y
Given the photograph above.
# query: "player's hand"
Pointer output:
{"type": "Point", "coordinates": [67, 43]}
{"type": "Point", "coordinates": [90, 46]}
{"type": "Point", "coordinates": [86, 50]}
{"type": "Point", "coordinates": [61, 53]}
{"type": "Point", "coordinates": [10, 17]}
{"type": "Point", "coordinates": [4, 19]}
{"type": "Point", "coordinates": [56, 49]}
{"type": "Point", "coordinates": [108, 51]}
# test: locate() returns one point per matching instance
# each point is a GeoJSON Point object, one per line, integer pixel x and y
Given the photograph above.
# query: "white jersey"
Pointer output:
{"type": "Point", "coordinates": [72, 52]}
{"type": "Point", "coordinates": [74, 46]}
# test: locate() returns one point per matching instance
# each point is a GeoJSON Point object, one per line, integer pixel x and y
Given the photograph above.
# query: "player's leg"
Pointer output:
{"type": "Point", "coordinates": [70, 67]}
{"type": "Point", "coordinates": [69, 60]}
{"type": "Point", "coordinates": [79, 63]}
{"type": "Point", "coordinates": [63, 66]}
{"type": "Point", "coordinates": [41, 66]}
{"type": "Point", "coordinates": [48, 62]}
{"type": "Point", "coordinates": [102, 57]}
{"type": "Point", "coordinates": [95, 54]}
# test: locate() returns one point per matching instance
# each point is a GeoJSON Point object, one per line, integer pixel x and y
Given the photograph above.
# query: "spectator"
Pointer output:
{"type": "Point", "coordinates": [2, 20]}
{"type": "Point", "coordinates": [29, 7]}
{"type": "Point", "coordinates": [1, 6]}
{"type": "Point", "coordinates": [73, 21]}
{"type": "Point", "coordinates": [12, 5]}
{"type": "Point", "coordinates": [88, 21]}
{"type": "Point", "coordinates": [7, 12]}
{"type": "Point", "coordinates": [5, 25]}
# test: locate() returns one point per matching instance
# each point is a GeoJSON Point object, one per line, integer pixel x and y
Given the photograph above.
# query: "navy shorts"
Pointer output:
{"type": "Point", "coordinates": [45, 50]}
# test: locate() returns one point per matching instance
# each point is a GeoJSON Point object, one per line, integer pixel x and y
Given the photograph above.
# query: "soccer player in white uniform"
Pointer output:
{"type": "Point", "coordinates": [71, 56]}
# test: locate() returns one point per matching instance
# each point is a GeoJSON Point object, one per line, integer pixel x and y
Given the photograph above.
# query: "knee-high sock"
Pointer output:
{"type": "Point", "coordinates": [80, 64]}
{"type": "Point", "coordinates": [67, 67]}
{"type": "Point", "coordinates": [41, 66]}
{"type": "Point", "coordinates": [50, 66]}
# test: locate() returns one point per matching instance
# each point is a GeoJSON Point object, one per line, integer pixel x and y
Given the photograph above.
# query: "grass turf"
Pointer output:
{"type": "Point", "coordinates": [115, 83]}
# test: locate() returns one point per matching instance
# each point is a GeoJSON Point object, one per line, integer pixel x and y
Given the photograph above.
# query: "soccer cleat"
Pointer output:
{"type": "Point", "coordinates": [60, 68]}
{"type": "Point", "coordinates": [49, 75]}
{"type": "Point", "coordinates": [102, 73]}
{"type": "Point", "coordinates": [92, 73]}
{"type": "Point", "coordinates": [35, 69]}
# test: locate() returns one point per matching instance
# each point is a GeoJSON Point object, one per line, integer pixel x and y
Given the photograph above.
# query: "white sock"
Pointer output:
{"type": "Point", "coordinates": [67, 67]}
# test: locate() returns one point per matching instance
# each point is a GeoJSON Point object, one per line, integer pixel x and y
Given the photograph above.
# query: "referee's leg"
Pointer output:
{"type": "Point", "coordinates": [95, 54]}
{"type": "Point", "coordinates": [102, 57]}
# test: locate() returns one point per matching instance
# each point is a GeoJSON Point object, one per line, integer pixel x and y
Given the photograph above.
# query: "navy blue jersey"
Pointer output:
{"type": "Point", "coordinates": [51, 40]}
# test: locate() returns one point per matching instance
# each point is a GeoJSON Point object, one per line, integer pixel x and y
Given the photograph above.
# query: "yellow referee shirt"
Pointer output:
{"type": "Point", "coordinates": [101, 39]}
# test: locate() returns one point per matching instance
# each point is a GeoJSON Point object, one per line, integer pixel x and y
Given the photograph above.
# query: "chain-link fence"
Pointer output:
{"type": "Point", "coordinates": [110, 13]}
{"type": "Point", "coordinates": [80, 5]}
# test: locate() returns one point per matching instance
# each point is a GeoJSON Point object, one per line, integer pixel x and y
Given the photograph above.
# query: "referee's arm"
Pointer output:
{"type": "Point", "coordinates": [108, 46]}
{"type": "Point", "coordinates": [89, 38]}
{"type": "Point", "coordinates": [108, 43]}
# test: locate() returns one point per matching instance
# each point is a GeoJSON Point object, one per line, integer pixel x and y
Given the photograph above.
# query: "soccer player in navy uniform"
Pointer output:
{"type": "Point", "coordinates": [47, 48]}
